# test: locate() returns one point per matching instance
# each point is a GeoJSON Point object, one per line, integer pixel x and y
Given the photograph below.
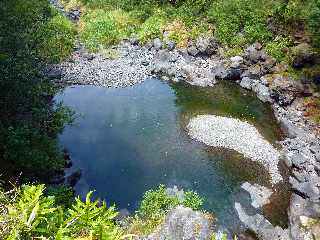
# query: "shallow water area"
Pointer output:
{"type": "Point", "coordinates": [128, 140]}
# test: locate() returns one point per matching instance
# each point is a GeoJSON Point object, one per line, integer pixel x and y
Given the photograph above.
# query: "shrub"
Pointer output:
{"type": "Point", "coordinates": [155, 205]}
{"type": "Point", "coordinates": [240, 16]}
{"type": "Point", "coordinates": [27, 214]}
{"type": "Point", "coordinates": [277, 46]}
{"type": "Point", "coordinates": [152, 28]}
{"type": "Point", "coordinates": [54, 39]}
{"type": "Point", "coordinates": [101, 28]}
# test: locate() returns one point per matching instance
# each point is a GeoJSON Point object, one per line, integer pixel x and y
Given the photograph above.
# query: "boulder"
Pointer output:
{"type": "Point", "coordinates": [184, 223]}
{"type": "Point", "coordinates": [170, 45]}
{"type": "Point", "coordinates": [206, 46]}
{"type": "Point", "coordinates": [157, 44]}
{"type": "Point", "coordinates": [247, 83]}
{"type": "Point", "coordinates": [261, 226]}
{"type": "Point", "coordinates": [301, 211]}
{"type": "Point", "coordinates": [259, 194]}
{"type": "Point", "coordinates": [236, 61]}
{"type": "Point", "coordinates": [302, 55]}
{"type": "Point", "coordinates": [262, 92]}
{"type": "Point", "coordinates": [193, 51]}
{"type": "Point", "coordinates": [253, 53]}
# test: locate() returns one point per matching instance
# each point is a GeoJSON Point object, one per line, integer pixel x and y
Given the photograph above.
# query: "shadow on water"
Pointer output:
{"type": "Point", "coordinates": [133, 139]}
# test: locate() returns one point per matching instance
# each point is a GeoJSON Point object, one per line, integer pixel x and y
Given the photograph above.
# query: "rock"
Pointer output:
{"type": "Point", "coordinates": [157, 44]}
{"type": "Point", "coordinates": [53, 73]}
{"type": "Point", "coordinates": [290, 128]}
{"type": "Point", "coordinates": [233, 74]}
{"type": "Point", "coordinates": [206, 46]}
{"type": "Point", "coordinates": [74, 14]}
{"type": "Point", "coordinates": [262, 92]}
{"type": "Point", "coordinates": [297, 159]}
{"type": "Point", "coordinates": [184, 223]}
{"type": "Point", "coordinates": [236, 61]}
{"type": "Point", "coordinates": [259, 194]}
{"type": "Point", "coordinates": [198, 77]}
{"type": "Point", "coordinates": [301, 55]}
{"type": "Point", "coordinates": [261, 226]}
{"type": "Point", "coordinates": [193, 51]}
{"type": "Point", "coordinates": [306, 189]}
{"type": "Point", "coordinates": [247, 83]}
{"type": "Point", "coordinates": [202, 44]}
{"type": "Point", "coordinates": [171, 45]}
{"type": "Point", "coordinates": [134, 40]}
{"type": "Point", "coordinates": [301, 211]}
{"type": "Point", "coordinates": [219, 71]}
{"type": "Point", "coordinates": [73, 178]}
{"type": "Point", "coordinates": [252, 54]}
{"type": "Point", "coordinates": [149, 45]}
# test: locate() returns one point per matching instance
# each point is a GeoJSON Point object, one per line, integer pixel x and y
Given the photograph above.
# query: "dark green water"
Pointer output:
{"type": "Point", "coordinates": [126, 141]}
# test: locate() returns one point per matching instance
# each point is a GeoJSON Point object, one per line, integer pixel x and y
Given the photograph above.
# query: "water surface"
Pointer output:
{"type": "Point", "coordinates": [126, 141]}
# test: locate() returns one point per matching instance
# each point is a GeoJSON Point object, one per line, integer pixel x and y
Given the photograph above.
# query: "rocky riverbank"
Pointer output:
{"type": "Point", "coordinates": [203, 63]}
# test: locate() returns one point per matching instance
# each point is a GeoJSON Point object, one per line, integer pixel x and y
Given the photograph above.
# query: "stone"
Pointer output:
{"type": "Point", "coordinates": [297, 159]}
{"type": "Point", "coordinates": [247, 83]}
{"type": "Point", "coordinates": [261, 226]}
{"type": "Point", "coordinates": [157, 44]}
{"type": "Point", "coordinates": [236, 61]}
{"type": "Point", "coordinates": [184, 223]}
{"type": "Point", "coordinates": [300, 212]}
{"type": "Point", "coordinates": [259, 194]}
{"type": "Point", "coordinates": [53, 73]}
{"type": "Point", "coordinates": [202, 44]}
{"type": "Point", "coordinates": [290, 128]}
{"type": "Point", "coordinates": [305, 189]}
{"type": "Point", "coordinates": [193, 51]}
{"type": "Point", "coordinates": [252, 54]}
{"type": "Point", "coordinates": [262, 92]}
{"type": "Point", "coordinates": [170, 45]}
{"type": "Point", "coordinates": [233, 74]}
{"type": "Point", "coordinates": [134, 40]}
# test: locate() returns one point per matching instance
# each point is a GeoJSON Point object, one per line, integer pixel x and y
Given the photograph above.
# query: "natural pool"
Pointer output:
{"type": "Point", "coordinates": [126, 141]}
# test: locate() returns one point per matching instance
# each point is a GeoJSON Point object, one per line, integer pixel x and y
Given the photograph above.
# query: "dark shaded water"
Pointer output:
{"type": "Point", "coordinates": [126, 141]}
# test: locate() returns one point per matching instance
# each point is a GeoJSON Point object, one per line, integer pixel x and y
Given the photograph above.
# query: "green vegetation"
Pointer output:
{"type": "Point", "coordinates": [235, 23]}
{"type": "Point", "coordinates": [32, 35]}
{"type": "Point", "coordinates": [27, 213]}
{"type": "Point", "coordinates": [155, 205]}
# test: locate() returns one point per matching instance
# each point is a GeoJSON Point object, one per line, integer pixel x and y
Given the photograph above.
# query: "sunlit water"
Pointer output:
{"type": "Point", "coordinates": [126, 141]}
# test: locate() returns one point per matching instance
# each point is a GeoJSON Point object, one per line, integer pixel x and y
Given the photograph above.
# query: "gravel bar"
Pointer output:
{"type": "Point", "coordinates": [237, 135]}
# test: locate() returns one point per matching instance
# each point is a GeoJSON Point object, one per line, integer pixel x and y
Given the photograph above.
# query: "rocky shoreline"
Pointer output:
{"type": "Point", "coordinates": [203, 63]}
{"type": "Point", "coordinates": [254, 71]}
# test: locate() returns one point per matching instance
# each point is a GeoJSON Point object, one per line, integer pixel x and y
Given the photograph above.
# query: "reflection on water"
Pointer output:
{"type": "Point", "coordinates": [126, 141]}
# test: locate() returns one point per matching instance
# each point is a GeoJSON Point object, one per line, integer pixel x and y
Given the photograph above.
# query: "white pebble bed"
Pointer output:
{"type": "Point", "coordinates": [236, 135]}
